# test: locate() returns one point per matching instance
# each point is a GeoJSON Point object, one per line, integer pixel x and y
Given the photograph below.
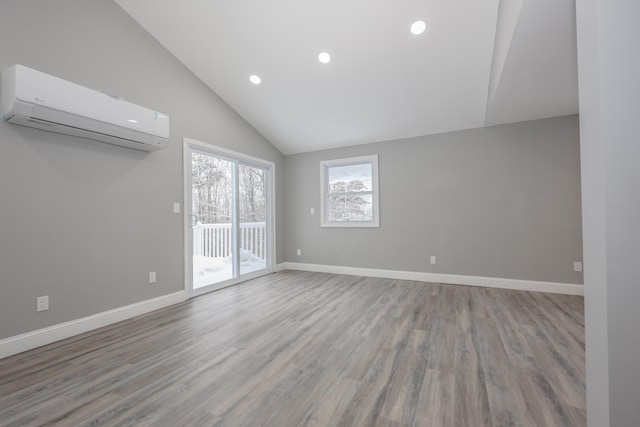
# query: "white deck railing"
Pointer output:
{"type": "Point", "coordinates": [215, 240]}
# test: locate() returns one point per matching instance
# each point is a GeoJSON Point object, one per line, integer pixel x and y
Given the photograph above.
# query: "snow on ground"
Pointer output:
{"type": "Point", "coordinates": [207, 270]}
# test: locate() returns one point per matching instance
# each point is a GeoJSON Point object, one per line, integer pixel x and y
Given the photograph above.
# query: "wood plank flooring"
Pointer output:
{"type": "Point", "coordinates": [312, 349]}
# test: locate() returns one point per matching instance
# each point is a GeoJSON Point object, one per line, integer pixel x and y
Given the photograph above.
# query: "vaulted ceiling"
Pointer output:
{"type": "Point", "coordinates": [479, 63]}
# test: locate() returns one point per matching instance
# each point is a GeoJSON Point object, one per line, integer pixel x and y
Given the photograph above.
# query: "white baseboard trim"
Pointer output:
{"type": "Point", "coordinates": [19, 343]}
{"type": "Point", "coordinates": [451, 279]}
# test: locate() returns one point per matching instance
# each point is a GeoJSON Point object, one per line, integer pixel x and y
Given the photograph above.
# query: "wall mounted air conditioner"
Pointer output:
{"type": "Point", "coordinates": [35, 99]}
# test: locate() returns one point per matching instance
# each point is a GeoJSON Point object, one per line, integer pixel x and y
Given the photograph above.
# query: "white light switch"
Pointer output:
{"type": "Point", "coordinates": [152, 277]}
{"type": "Point", "coordinates": [176, 208]}
{"type": "Point", "coordinates": [312, 211]}
{"type": "Point", "coordinates": [577, 266]}
{"type": "Point", "coordinates": [299, 252]}
{"type": "Point", "coordinates": [433, 259]}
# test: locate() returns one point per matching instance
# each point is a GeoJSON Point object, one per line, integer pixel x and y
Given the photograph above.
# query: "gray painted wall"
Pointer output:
{"type": "Point", "coordinates": [85, 222]}
{"type": "Point", "coordinates": [502, 202]}
{"type": "Point", "coordinates": [609, 66]}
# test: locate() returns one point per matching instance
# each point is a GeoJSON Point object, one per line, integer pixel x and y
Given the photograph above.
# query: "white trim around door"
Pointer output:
{"type": "Point", "coordinates": [190, 146]}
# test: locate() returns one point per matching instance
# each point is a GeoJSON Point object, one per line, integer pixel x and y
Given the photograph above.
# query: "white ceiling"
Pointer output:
{"type": "Point", "coordinates": [383, 83]}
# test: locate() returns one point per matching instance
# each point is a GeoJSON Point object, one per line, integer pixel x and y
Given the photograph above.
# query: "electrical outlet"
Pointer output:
{"type": "Point", "coordinates": [433, 259]}
{"type": "Point", "coordinates": [42, 303]}
{"type": "Point", "coordinates": [312, 211]}
{"type": "Point", "coordinates": [152, 277]}
{"type": "Point", "coordinates": [299, 252]}
{"type": "Point", "coordinates": [577, 266]}
{"type": "Point", "coordinates": [176, 208]}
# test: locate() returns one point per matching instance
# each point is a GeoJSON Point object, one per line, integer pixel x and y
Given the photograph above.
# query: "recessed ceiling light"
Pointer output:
{"type": "Point", "coordinates": [324, 57]}
{"type": "Point", "coordinates": [418, 27]}
{"type": "Point", "coordinates": [256, 80]}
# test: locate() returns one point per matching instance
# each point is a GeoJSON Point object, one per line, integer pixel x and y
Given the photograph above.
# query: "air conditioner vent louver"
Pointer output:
{"type": "Point", "coordinates": [39, 122]}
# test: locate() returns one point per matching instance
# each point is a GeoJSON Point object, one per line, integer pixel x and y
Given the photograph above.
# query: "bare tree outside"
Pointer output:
{"type": "Point", "coordinates": [212, 191]}
{"type": "Point", "coordinates": [252, 194]}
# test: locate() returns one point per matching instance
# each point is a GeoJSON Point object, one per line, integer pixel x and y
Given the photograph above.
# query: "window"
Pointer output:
{"type": "Point", "coordinates": [350, 192]}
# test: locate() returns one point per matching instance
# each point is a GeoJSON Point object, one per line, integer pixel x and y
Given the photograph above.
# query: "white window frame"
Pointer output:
{"type": "Point", "coordinates": [325, 165]}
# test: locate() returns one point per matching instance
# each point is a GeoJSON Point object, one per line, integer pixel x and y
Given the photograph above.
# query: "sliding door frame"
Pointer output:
{"type": "Point", "coordinates": [270, 223]}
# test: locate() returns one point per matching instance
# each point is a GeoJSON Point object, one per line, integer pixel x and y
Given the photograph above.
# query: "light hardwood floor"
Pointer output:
{"type": "Point", "coordinates": [312, 349]}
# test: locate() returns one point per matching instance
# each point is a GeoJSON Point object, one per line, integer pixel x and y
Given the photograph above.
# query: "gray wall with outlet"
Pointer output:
{"type": "Point", "coordinates": [84, 222]}
{"type": "Point", "coordinates": [500, 202]}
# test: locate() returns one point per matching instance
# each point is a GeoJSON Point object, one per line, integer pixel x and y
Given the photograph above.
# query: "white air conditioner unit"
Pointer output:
{"type": "Point", "coordinates": [35, 99]}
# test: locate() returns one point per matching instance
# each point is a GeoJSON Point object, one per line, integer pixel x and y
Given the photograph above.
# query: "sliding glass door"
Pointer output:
{"type": "Point", "coordinates": [212, 219]}
{"type": "Point", "coordinates": [230, 228]}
